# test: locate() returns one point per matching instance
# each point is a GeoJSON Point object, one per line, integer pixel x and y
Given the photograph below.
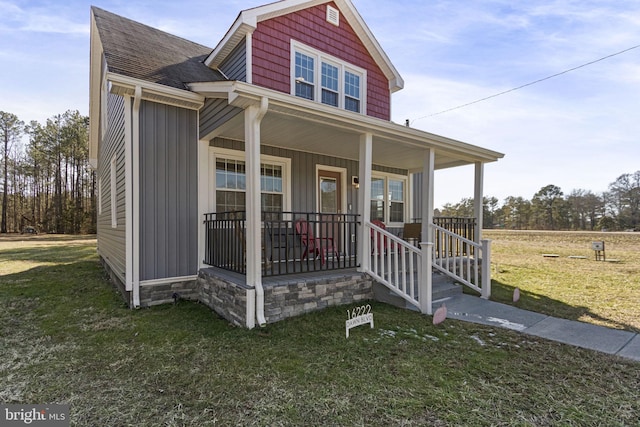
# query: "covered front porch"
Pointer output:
{"type": "Point", "coordinates": [308, 230]}
{"type": "Point", "coordinates": [310, 261]}
{"type": "Point", "coordinates": [309, 242]}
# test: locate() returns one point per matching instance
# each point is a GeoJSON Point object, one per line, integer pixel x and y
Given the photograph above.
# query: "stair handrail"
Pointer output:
{"type": "Point", "coordinates": [463, 260]}
{"type": "Point", "coordinates": [393, 263]}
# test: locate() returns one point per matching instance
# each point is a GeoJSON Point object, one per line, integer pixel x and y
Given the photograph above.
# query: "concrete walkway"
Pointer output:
{"type": "Point", "coordinates": [611, 341]}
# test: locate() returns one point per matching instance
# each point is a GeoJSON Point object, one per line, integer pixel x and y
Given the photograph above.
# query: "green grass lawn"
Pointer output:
{"type": "Point", "coordinates": [604, 293]}
{"type": "Point", "coordinates": [67, 337]}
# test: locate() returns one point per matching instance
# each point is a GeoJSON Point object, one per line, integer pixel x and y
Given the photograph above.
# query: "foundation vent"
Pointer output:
{"type": "Point", "coordinates": [333, 16]}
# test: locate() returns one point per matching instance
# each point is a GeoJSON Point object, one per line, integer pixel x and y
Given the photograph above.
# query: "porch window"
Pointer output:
{"type": "Point", "coordinates": [396, 200]}
{"type": "Point", "coordinates": [231, 184]}
{"type": "Point", "coordinates": [388, 199]}
{"type": "Point", "coordinates": [341, 85]}
{"type": "Point", "coordinates": [377, 199]}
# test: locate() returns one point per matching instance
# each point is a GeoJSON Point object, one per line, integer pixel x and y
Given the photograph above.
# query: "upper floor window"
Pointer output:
{"type": "Point", "coordinates": [351, 91]}
{"type": "Point", "coordinates": [305, 81]}
{"type": "Point", "coordinates": [340, 85]}
{"type": "Point", "coordinates": [330, 94]}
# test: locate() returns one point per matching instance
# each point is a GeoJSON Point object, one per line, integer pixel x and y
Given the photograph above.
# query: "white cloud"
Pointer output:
{"type": "Point", "coordinates": [578, 130]}
{"type": "Point", "coordinates": [39, 20]}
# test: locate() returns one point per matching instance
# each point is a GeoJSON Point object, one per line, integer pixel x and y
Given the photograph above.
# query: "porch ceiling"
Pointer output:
{"type": "Point", "coordinates": [307, 126]}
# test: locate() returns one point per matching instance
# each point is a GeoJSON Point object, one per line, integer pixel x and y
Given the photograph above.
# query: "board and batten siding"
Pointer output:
{"type": "Point", "coordinates": [234, 66]}
{"type": "Point", "coordinates": [214, 113]}
{"type": "Point", "coordinates": [303, 173]}
{"type": "Point", "coordinates": [112, 240]}
{"type": "Point", "coordinates": [417, 196]}
{"type": "Point", "coordinates": [271, 53]}
{"type": "Point", "coordinates": [168, 191]}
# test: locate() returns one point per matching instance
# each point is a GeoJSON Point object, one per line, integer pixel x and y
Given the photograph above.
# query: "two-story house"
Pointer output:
{"type": "Point", "coordinates": [264, 177]}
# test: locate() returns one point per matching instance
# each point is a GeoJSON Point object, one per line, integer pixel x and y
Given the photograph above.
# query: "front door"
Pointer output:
{"type": "Point", "coordinates": [329, 191]}
{"type": "Point", "coordinates": [330, 205]}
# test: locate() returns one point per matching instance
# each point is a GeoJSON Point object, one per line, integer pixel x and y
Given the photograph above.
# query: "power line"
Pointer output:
{"type": "Point", "coordinates": [528, 84]}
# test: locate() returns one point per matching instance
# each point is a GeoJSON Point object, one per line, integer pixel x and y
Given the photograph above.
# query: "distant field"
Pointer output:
{"type": "Point", "coordinates": [604, 293]}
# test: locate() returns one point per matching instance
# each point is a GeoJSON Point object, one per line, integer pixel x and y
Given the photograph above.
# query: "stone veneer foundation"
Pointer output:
{"type": "Point", "coordinates": [286, 298]}
{"type": "Point", "coordinates": [162, 293]}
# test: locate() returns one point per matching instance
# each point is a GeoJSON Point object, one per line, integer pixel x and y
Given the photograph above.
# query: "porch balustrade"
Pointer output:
{"type": "Point", "coordinates": [460, 226]}
{"type": "Point", "coordinates": [447, 232]}
{"type": "Point", "coordinates": [292, 242]}
{"type": "Point", "coordinates": [299, 242]}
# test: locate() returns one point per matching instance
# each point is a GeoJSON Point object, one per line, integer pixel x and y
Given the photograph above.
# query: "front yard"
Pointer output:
{"type": "Point", "coordinates": [67, 337]}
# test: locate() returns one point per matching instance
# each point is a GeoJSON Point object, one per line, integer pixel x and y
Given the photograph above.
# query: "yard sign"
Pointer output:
{"type": "Point", "coordinates": [359, 316]}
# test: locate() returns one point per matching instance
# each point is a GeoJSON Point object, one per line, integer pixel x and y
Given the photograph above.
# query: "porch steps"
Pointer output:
{"type": "Point", "coordinates": [442, 287]}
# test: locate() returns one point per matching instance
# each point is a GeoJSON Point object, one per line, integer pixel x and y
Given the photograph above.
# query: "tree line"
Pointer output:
{"type": "Point", "coordinates": [47, 184]}
{"type": "Point", "coordinates": [617, 209]}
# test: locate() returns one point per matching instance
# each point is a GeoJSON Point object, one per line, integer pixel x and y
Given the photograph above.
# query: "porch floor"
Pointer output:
{"type": "Point", "coordinates": [442, 286]}
{"type": "Point", "coordinates": [287, 279]}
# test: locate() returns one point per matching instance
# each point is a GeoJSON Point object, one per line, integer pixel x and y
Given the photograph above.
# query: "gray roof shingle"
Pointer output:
{"type": "Point", "coordinates": [136, 50]}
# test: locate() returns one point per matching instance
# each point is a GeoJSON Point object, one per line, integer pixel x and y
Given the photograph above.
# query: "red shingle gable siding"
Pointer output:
{"type": "Point", "coordinates": [272, 58]}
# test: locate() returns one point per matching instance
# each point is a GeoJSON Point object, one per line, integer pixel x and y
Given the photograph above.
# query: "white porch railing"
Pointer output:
{"type": "Point", "coordinates": [464, 260]}
{"type": "Point", "coordinates": [404, 268]}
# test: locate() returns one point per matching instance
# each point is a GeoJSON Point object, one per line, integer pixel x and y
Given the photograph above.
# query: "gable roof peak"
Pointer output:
{"type": "Point", "coordinates": [247, 21]}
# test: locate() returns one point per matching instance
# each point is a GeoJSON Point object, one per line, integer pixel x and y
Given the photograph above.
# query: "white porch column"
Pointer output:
{"type": "Point", "coordinates": [478, 200]}
{"type": "Point", "coordinates": [203, 197]}
{"type": "Point", "coordinates": [252, 117]}
{"type": "Point", "coordinates": [426, 210]}
{"type": "Point", "coordinates": [364, 199]}
{"type": "Point", "coordinates": [426, 240]}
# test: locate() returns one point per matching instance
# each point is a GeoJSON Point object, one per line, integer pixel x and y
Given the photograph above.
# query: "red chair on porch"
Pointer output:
{"type": "Point", "coordinates": [318, 246]}
{"type": "Point", "coordinates": [381, 241]}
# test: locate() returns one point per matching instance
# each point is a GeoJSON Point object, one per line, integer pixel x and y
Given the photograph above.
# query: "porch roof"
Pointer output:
{"type": "Point", "coordinates": [303, 125]}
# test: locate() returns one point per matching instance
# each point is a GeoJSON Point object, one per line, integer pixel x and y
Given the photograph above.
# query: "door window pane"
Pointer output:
{"type": "Point", "coordinates": [328, 195]}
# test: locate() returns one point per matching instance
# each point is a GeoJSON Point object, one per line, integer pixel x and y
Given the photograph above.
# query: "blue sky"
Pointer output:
{"type": "Point", "coordinates": [580, 130]}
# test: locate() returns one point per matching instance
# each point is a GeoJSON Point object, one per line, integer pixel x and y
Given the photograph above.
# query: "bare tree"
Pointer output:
{"type": "Point", "coordinates": [624, 200]}
{"type": "Point", "coordinates": [11, 128]}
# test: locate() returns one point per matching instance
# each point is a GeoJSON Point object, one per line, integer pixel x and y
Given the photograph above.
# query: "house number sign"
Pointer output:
{"type": "Point", "coordinates": [359, 316]}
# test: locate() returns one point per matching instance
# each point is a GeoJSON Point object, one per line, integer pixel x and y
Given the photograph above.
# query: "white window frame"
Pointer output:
{"type": "Point", "coordinates": [225, 153]}
{"type": "Point", "coordinates": [319, 58]}
{"type": "Point", "coordinates": [114, 192]}
{"type": "Point", "coordinates": [387, 199]}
